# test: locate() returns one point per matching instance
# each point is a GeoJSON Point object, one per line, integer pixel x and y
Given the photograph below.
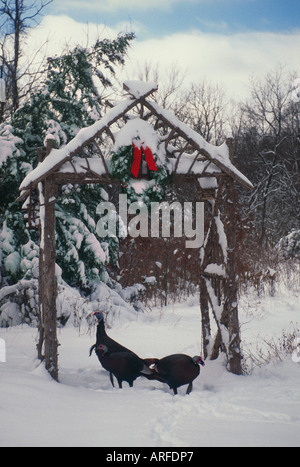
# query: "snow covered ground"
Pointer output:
{"type": "Point", "coordinates": [261, 409]}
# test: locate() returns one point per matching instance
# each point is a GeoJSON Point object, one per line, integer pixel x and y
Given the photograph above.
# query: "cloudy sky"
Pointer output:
{"type": "Point", "coordinates": [225, 41]}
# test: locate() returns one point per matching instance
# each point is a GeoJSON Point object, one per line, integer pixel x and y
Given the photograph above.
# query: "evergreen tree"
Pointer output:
{"type": "Point", "coordinates": [68, 100]}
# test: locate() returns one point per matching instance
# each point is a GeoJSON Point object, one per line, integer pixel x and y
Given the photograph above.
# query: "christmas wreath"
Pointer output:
{"type": "Point", "coordinates": [137, 145]}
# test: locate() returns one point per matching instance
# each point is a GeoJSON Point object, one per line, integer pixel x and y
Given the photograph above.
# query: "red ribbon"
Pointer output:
{"type": "Point", "coordinates": [137, 159]}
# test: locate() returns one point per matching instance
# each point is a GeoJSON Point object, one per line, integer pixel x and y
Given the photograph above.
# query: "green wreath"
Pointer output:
{"type": "Point", "coordinates": [146, 190]}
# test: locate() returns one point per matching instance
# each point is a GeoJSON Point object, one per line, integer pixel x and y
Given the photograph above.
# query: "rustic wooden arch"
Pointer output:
{"type": "Point", "coordinates": [83, 161]}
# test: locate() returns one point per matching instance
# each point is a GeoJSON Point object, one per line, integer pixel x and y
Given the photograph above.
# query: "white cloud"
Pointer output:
{"type": "Point", "coordinates": [117, 5]}
{"type": "Point", "coordinates": [225, 59]}
{"type": "Point", "coordinates": [63, 31]}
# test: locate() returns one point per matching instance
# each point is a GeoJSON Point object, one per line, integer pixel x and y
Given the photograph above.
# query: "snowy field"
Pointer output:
{"type": "Point", "coordinates": [261, 409]}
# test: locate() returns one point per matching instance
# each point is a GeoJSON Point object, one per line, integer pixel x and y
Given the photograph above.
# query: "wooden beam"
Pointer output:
{"type": "Point", "coordinates": [47, 280]}
{"type": "Point", "coordinates": [101, 153]}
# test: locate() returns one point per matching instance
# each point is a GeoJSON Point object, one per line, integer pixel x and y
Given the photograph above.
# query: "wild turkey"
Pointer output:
{"type": "Point", "coordinates": [114, 347]}
{"type": "Point", "coordinates": [176, 370]}
{"type": "Point", "coordinates": [103, 338]}
{"type": "Point", "coordinates": [125, 366]}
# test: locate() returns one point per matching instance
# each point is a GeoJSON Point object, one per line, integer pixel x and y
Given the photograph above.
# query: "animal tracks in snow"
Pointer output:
{"type": "Point", "coordinates": [174, 415]}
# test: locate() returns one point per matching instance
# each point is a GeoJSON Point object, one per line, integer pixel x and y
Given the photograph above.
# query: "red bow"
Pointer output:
{"type": "Point", "coordinates": [137, 158]}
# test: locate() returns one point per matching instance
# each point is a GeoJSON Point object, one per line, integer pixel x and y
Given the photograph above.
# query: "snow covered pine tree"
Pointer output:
{"type": "Point", "coordinates": [68, 99]}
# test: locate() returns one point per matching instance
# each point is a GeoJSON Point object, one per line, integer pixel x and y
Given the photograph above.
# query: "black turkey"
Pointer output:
{"type": "Point", "coordinates": [176, 370]}
{"type": "Point", "coordinates": [102, 339]}
{"type": "Point", "coordinates": [125, 366]}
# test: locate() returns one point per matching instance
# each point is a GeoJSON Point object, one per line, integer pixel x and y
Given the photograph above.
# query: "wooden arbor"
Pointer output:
{"type": "Point", "coordinates": [84, 161]}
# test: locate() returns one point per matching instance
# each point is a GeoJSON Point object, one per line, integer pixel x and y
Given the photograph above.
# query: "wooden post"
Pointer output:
{"type": "Point", "coordinates": [211, 254]}
{"type": "Point", "coordinates": [47, 279]}
{"type": "Point", "coordinates": [223, 290]}
{"type": "Point", "coordinates": [205, 320]}
{"type": "Point", "coordinates": [231, 283]}
{"type": "Point", "coordinates": [204, 301]}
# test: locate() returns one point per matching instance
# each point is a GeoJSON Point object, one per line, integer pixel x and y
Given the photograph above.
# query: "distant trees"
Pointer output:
{"type": "Point", "coordinates": [268, 150]}
{"type": "Point", "coordinates": [16, 18]}
{"type": "Point", "coordinates": [205, 110]}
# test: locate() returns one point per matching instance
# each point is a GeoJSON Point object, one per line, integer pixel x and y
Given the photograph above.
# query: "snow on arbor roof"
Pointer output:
{"type": "Point", "coordinates": [58, 157]}
{"type": "Point", "coordinates": [140, 89]}
{"type": "Point", "coordinates": [219, 155]}
{"type": "Point", "coordinates": [139, 131]}
{"type": "Point", "coordinates": [206, 159]}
